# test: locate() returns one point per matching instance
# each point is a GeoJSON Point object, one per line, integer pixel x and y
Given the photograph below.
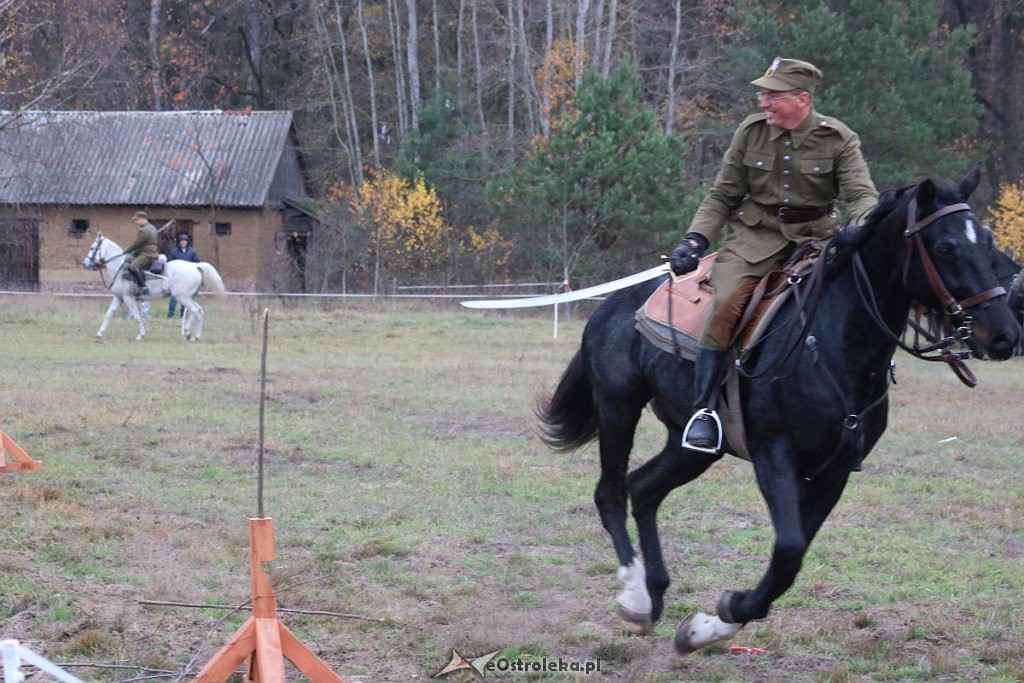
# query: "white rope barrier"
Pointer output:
{"type": "Point", "coordinates": [326, 295]}
{"type": "Point", "coordinates": [16, 654]}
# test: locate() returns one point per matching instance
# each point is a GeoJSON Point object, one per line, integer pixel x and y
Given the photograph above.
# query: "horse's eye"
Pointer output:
{"type": "Point", "coordinates": [944, 249]}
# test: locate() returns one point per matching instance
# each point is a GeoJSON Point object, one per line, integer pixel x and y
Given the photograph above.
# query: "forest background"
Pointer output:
{"type": "Point", "coordinates": [450, 141]}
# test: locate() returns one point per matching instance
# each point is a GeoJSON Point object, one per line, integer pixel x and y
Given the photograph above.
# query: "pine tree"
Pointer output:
{"type": "Point", "coordinates": [893, 73]}
{"type": "Point", "coordinates": [602, 194]}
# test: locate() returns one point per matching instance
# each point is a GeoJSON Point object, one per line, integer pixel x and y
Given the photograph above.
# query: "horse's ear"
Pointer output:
{"type": "Point", "coordinates": [970, 182]}
{"type": "Point", "coordinates": [926, 193]}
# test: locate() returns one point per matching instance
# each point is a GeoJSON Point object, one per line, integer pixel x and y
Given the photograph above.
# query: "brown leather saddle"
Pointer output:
{"type": "Point", "coordinates": [674, 315]}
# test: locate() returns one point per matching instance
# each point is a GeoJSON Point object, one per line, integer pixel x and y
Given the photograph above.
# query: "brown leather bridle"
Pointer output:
{"type": "Point", "coordinates": [912, 233]}
{"type": "Point", "coordinates": [955, 310]}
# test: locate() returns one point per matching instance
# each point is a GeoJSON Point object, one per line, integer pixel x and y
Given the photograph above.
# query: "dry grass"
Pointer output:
{"type": "Point", "coordinates": [407, 485]}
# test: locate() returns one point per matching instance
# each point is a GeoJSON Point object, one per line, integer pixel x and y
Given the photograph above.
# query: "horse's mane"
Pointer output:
{"type": "Point", "coordinates": [852, 237]}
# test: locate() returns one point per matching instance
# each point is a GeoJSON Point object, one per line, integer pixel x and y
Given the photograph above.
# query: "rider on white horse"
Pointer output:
{"type": "Point", "coordinates": [145, 248]}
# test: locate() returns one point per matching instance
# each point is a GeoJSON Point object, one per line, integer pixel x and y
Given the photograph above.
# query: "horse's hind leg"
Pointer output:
{"type": "Point", "coordinates": [611, 497]}
{"type": "Point", "coordinates": [193, 328]}
{"type": "Point", "coordinates": [648, 487]}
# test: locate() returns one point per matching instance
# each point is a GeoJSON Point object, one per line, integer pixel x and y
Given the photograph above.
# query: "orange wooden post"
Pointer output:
{"type": "Point", "coordinates": [22, 461]}
{"type": "Point", "coordinates": [263, 639]}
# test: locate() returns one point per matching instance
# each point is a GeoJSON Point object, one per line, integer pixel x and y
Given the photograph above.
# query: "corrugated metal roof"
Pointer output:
{"type": "Point", "coordinates": [190, 158]}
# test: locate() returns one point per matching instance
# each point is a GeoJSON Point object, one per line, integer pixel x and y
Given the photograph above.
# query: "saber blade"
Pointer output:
{"type": "Point", "coordinates": [564, 297]}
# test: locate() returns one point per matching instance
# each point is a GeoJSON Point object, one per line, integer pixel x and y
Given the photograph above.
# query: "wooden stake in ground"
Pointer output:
{"type": "Point", "coordinates": [263, 639]}
{"type": "Point", "coordinates": [21, 461]}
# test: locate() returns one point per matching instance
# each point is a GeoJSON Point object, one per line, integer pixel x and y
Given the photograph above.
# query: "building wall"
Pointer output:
{"type": "Point", "coordinates": [245, 258]}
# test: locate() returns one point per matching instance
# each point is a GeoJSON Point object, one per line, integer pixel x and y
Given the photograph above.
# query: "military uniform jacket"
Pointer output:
{"type": "Point", "coordinates": [807, 167]}
{"type": "Point", "coordinates": [146, 242]}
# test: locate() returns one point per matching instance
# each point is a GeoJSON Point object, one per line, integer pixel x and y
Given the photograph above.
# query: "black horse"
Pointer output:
{"type": "Point", "coordinates": [814, 395]}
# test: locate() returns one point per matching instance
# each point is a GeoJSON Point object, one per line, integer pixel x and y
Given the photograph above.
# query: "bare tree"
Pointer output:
{"type": "Point", "coordinates": [510, 74]}
{"type": "Point", "coordinates": [670, 116]}
{"type": "Point", "coordinates": [353, 125]}
{"type": "Point", "coordinates": [613, 13]}
{"type": "Point", "coordinates": [412, 55]}
{"type": "Point", "coordinates": [370, 83]}
{"type": "Point", "coordinates": [156, 78]}
{"type": "Point", "coordinates": [395, 31]}
{"type": "Point", "coordinates": [582, 7]}
{"type": "Point", "coordinates": [479, 70]}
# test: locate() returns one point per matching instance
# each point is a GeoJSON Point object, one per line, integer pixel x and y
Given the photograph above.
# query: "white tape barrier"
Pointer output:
{"type": "Point", "coordinates": [15, 655]}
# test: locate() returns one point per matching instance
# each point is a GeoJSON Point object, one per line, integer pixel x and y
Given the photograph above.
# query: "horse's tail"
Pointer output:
{"type": "Point", "coordinates": [211, 278]}
{"type": "Point", "coordinates": [568, 417]}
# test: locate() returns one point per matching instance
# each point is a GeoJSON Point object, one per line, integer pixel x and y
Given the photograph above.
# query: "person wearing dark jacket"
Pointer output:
{"type": "Point", "coordinates": [183, 252]}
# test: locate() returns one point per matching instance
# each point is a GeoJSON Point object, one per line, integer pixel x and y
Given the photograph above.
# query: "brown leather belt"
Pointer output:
{"type": "Point", "coordinates": [796, 214]}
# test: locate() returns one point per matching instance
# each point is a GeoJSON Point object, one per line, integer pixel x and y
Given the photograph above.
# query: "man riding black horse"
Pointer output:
{"type": "Point", "coordinates": [776, 189]}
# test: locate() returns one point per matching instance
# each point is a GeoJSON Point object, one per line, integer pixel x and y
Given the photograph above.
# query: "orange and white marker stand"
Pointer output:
{"type": "Point", "coordinates": [21, 461]}
{"type": "Point", "coordinates": [263, 639]}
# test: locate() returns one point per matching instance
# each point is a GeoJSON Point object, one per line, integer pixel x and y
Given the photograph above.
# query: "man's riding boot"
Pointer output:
{"type": "Point", "coordinates": [704, 430]}
{"type": "Point", "coordinates": [141, 280]}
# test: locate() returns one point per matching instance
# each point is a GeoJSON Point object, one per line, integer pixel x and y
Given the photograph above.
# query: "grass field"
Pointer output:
{"type": "Point", "coordinates": [407, 486]}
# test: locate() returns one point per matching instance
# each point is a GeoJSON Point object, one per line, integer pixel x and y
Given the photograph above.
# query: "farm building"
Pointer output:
{"type": "Point", "coordinates": [232, 180]}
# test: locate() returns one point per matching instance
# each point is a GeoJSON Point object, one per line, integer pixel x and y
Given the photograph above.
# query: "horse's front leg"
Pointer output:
{"type": "Point", "coordinates": [794, 531]}
{"type": "Point", "coordinates": [615, 442]}
{"type": "Point", "coordinates": [115, 304]}
{"type": "Point", "coordinates": [133, 310]}
{"type": "Point", "coordinates": [797, 509]}
{"type": "Point", "coordinates": [648, 487]}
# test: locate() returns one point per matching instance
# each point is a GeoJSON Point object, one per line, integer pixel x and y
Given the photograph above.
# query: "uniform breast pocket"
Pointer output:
{"type": "Point", "coordinates": [818, 176]}
{"type": "Point", "coordinates": [759, 171]}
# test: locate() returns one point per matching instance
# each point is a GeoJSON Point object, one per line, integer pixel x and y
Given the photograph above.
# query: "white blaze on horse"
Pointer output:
{"type": "Point", "coordinates": [181, 279]}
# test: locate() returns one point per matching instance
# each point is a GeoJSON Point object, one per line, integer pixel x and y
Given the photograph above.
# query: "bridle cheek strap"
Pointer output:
{"type": "Point", "coordinates": [913, 232]}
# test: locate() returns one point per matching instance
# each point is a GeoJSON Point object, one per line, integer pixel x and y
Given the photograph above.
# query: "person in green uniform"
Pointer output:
{"type": "Point", "coordinates": [779, 186]}
{"type": "Point", "coordinates": [145, 250]}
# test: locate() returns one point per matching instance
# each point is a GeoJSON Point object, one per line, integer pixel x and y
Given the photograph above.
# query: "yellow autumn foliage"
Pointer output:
{"type": "Point", "coordinates": [409, 235]}
{"type": "Point", "coordinates": [1007, 219]}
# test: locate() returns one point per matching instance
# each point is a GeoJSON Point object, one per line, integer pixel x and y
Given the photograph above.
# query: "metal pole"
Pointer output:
{"type": "Point", "coordinates": [263, 401]}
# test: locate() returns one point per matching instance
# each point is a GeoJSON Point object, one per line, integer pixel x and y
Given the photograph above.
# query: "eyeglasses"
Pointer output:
{"type": "Point", "coordinates": [763, 97]}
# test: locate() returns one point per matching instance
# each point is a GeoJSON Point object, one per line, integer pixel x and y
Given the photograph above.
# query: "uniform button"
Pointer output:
{"type": "Point", "coordinates": [759, 163]}
{"type": "Point", "coordinates": [786, 186]}
{"type": "Point", "coordinates": [786, 172]}
{"type": "Point", "coordinates": [740, 213]}
{"type": "Point", "coordinates": [785, 200]}
{"type": "Point", "coordinates": [786, 158]}
{"type": "Point", "coordinates": [817, 168]}
{"type": "Point", "coordinates": [788, 143]}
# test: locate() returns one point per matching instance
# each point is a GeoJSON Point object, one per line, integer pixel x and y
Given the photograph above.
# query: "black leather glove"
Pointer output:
{"type": "Point", "coordinates": [685, 257]}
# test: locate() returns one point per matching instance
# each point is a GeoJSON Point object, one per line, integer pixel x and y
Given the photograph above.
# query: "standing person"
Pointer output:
{"type": "Point", "coordinates": [144, 249]}
{"type": "Point", "coordinates": [183, 252]}
{"type": "Point", "coordinates": [778, 187]}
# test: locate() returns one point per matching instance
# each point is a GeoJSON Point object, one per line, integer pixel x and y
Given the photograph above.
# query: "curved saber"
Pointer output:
{"type": "Point", "coordinates": [586, 293]}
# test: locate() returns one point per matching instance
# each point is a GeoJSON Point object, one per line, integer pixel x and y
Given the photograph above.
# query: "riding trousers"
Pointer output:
{"type": "Point", "coordinates": [734, 280]}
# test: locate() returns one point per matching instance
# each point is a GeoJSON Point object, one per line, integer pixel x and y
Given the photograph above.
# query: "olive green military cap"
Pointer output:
{"type": "Point", "coordinates": [790, 74]}
{"type": "Point", "coordinates": [140, 214]}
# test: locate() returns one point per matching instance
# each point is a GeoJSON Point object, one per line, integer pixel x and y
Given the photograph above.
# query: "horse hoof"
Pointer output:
{"type": "Point", "coordinates": [700, 630]}
{"type": "Point", "coordinates": [724, 608]}
{"type": "Point", "coordinates": [683, 640]}
{"type": "Point", "coordinates": [636, 623]}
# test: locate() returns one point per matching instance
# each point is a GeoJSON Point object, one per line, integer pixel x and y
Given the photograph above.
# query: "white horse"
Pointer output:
{"type": "Point", "coordinates": [182, 279]}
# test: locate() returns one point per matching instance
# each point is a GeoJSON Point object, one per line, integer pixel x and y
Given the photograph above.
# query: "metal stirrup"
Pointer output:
{"type": "Point", "coordinates": [702, 414]}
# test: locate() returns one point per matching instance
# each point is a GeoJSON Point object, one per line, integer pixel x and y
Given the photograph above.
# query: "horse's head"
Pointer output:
{"type": "Point", "coordinates": [947, 264]}
{"type": "Point", "coordinates": [93, 260]}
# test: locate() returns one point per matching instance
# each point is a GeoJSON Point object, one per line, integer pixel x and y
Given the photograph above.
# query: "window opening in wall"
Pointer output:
{"type": "Point", "coordinates": [222, 228]}
{"type": "Point", "coordinates": [79, 226]}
